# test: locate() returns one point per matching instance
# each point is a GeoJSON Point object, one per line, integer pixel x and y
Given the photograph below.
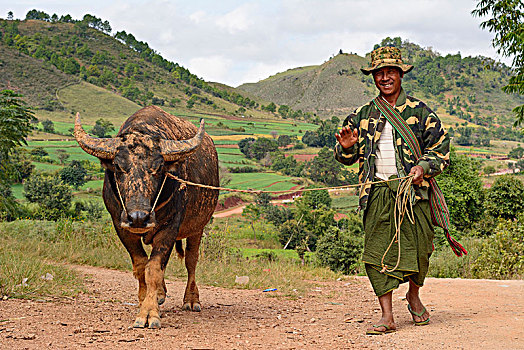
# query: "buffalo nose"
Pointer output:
{"type": "Point", "coordinates": [138, 218]}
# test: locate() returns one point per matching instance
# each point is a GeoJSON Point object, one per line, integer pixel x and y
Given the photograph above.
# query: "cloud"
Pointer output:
{"type": "Point", "coordinates": [235, 41]}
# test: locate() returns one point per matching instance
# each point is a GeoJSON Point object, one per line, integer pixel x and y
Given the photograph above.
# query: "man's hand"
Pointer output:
{"type": "Point", "coordinates": [418, 171]}
{"type": "Point", "coordinates": [346, 137]}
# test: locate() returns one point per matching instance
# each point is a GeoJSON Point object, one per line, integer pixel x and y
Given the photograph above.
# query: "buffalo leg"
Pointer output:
{"type": "Point", "coordinates": [154, 279]}
{"type": "Point", "coordinates": [191, 297]}
{"type": "Point", "coordinates": [134, 247]}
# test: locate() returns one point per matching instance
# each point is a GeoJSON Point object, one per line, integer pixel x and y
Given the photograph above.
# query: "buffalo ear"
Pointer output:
{"type": "Point", "coordinates": [107, 164]}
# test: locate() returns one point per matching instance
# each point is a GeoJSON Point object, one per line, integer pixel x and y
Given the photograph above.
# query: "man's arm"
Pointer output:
{"type": "Point", "coordinates": [435, 147]}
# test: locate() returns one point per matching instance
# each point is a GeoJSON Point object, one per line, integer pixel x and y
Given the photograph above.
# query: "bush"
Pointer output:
{"type": "Point", "coordinates": [502, 255]}
{"type": "Point", "coordinates": [505, 198]}
{"type": "Point", "coordinates": [52, 196]}
{"type": "Point", "coordinates": [340, 250]}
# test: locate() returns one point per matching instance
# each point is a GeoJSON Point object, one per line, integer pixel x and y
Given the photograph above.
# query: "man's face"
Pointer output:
{"type": "Point", "coordinates": [388, 80]}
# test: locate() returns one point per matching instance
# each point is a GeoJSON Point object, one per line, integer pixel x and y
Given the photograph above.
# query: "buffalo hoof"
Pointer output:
{"type": "Point", "coordinates": [154, 323]}
{"type": "Point", "coordinates": [139, 323]}
{"type": "Point", "coordinates": [195, 307]}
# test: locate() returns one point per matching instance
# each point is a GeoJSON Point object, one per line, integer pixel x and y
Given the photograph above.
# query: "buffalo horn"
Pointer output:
{"type": "Point", "coordinates": [173, 150]}
{"type": "Point", "coordinates": [100, 148]}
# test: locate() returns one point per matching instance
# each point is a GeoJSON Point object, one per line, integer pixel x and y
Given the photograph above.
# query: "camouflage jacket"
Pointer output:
{"type": "Point", "coordinates": [433, 140]}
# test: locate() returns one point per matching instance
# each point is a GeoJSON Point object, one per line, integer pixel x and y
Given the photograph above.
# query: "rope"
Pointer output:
{"type": "Point", "coordinates": [174, 177]}
{"type": "Point", "coordinates": [401, 208]}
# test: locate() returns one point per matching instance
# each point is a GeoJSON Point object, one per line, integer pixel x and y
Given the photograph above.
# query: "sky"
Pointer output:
{"type": "Point", "coordinates": [236, 42]}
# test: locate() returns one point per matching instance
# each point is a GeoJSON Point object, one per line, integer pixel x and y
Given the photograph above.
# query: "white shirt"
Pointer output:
{"type": "Point", "coordinates": [385, 162]}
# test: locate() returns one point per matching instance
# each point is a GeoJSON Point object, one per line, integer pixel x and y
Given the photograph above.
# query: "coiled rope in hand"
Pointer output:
{"type": "Point", "coordinates": [402, 203]}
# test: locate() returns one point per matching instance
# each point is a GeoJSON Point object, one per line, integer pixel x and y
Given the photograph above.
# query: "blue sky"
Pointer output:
{"type": "Point", "coordinates": [235, 42]}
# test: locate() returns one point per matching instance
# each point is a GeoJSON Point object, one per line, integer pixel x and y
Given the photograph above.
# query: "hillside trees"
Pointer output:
{"type": "Point", "coordinates": [75, 58]}
{"type": "Point", "coordinates": [507, 22]}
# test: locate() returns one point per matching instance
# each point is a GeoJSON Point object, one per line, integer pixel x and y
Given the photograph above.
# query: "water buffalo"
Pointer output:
{"type": "Point", "coordinates": [148, 207]}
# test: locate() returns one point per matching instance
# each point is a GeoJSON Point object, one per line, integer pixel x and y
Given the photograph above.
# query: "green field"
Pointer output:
{"type": "Point", "coordinates": [263, 181]}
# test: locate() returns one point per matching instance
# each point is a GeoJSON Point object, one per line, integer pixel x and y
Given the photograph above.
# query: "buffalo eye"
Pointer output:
{"type": "Point", "coordinates": [156, 167]}
{"type": "Point", "coordinates": [118, 168]}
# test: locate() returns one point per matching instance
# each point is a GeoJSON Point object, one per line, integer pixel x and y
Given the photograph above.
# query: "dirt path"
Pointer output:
{"type": "Point", "coordinates": [465, 314]}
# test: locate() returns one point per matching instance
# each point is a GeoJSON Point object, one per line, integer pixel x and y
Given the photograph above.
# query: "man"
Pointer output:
{"type": "Point", "coordinates": [369, 138]}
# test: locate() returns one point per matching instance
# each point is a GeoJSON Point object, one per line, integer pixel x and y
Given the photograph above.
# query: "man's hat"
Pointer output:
{"type": "Point", "coordinates": [386, 56]}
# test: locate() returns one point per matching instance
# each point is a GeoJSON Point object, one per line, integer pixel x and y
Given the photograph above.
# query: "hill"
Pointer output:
{"type": "Point", "coordinates": [43, 58]}
{"type": "Point", "coordinates": [332, 88]}
{"type": "Point", "coordinates": [468, 88]}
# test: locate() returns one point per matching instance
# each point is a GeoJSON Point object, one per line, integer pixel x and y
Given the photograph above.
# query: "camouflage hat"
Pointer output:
{"type": "Point", "coordinates": [386, 56]}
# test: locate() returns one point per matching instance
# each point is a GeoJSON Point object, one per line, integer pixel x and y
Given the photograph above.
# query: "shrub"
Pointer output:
{"type": "Point", "coordinates": [505, 198]}
{"type": "Point", "coordinates": [499, 256]}
{"type": "Point", "coordinates": [502, 255]}
{"type": "Point", "coordinates": [340, 250]}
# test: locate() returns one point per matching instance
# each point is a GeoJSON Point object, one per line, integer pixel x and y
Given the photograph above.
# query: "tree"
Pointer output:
{"type": "Point", "coordinates": [324, 168]}
{"type": "Point", "coordinates": [245, 145]}
{"type": "Point", "coordinates": [326, 133]}
{"type": "Point", "coordinates": [10, 16]}
{"type": "Point", "coordinates": [15, 121]}
{"type": "Point", "coordinates": [262, 146]}
{"type": "Point", "coordinates": [505, 198]}
{"type": "Point", "coordinates": [39, 152]}
{"type": "Point", "coordinates": [317, 199]}
{"type": "Point", "coordinates": [507, 22]}
{"type": "Point", "coordinates": [62, 155]}
{"type": "Point", "coordinates": [489, 169]}
{"type": "Point", "coordinates": [271, 107]}
{"type": "Point", "coordinates": [340, 250]}
{"type": "Point", "coordinates": [48, 126]}
{"type": "Point", "coordinates": [516, 153]}
{"type": "Point", "coordinates": [50, 193]}
{"type": "Point", "coordinates": [102, 128]}
{"type": "Point", "coordinates": [284, 140]}
{"type": "Point", "coordinates": [15, 125]}
{"type": "Point", "coordinates": [283, 110]}
{"type": "Point", "coordinates": [311, 139]}
{"type": "Point", "coordinates": [252, 213]}
{"type": "Point", "coordinates": [520, 165]}
{"type": "Point", "coordinates": [462, 188]}
{"type": "Point", "coordinates": [39, 15]}
{"type": "Point", "coordinates": [74, 174]}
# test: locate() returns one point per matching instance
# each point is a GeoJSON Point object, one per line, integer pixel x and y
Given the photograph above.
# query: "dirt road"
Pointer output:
{"type": "Point", "coordinates": [465, 314]}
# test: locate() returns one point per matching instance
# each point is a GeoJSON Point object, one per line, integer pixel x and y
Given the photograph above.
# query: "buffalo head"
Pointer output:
{"type": "Point", "coordinates": [138, 163]}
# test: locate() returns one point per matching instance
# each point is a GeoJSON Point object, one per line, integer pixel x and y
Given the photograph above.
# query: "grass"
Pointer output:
{"type": "Point", "coordinates": [22, 274]}
{"type": "Point", "coordinates": [46, 245]}
{"type": "Point", "coordinates": [95, 103]}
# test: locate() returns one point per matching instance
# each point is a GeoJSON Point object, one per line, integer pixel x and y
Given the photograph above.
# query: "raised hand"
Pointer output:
{"type": "Point", "coordinates": [347, 137]}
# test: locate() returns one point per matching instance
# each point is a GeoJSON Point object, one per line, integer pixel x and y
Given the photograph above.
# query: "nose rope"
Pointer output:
{"type": "Point", "coordinates": [120, 196]}
{"type": "Point", "coordinates": [156, 200]}
{"type": "Point", "coordinates": [158, 195]}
